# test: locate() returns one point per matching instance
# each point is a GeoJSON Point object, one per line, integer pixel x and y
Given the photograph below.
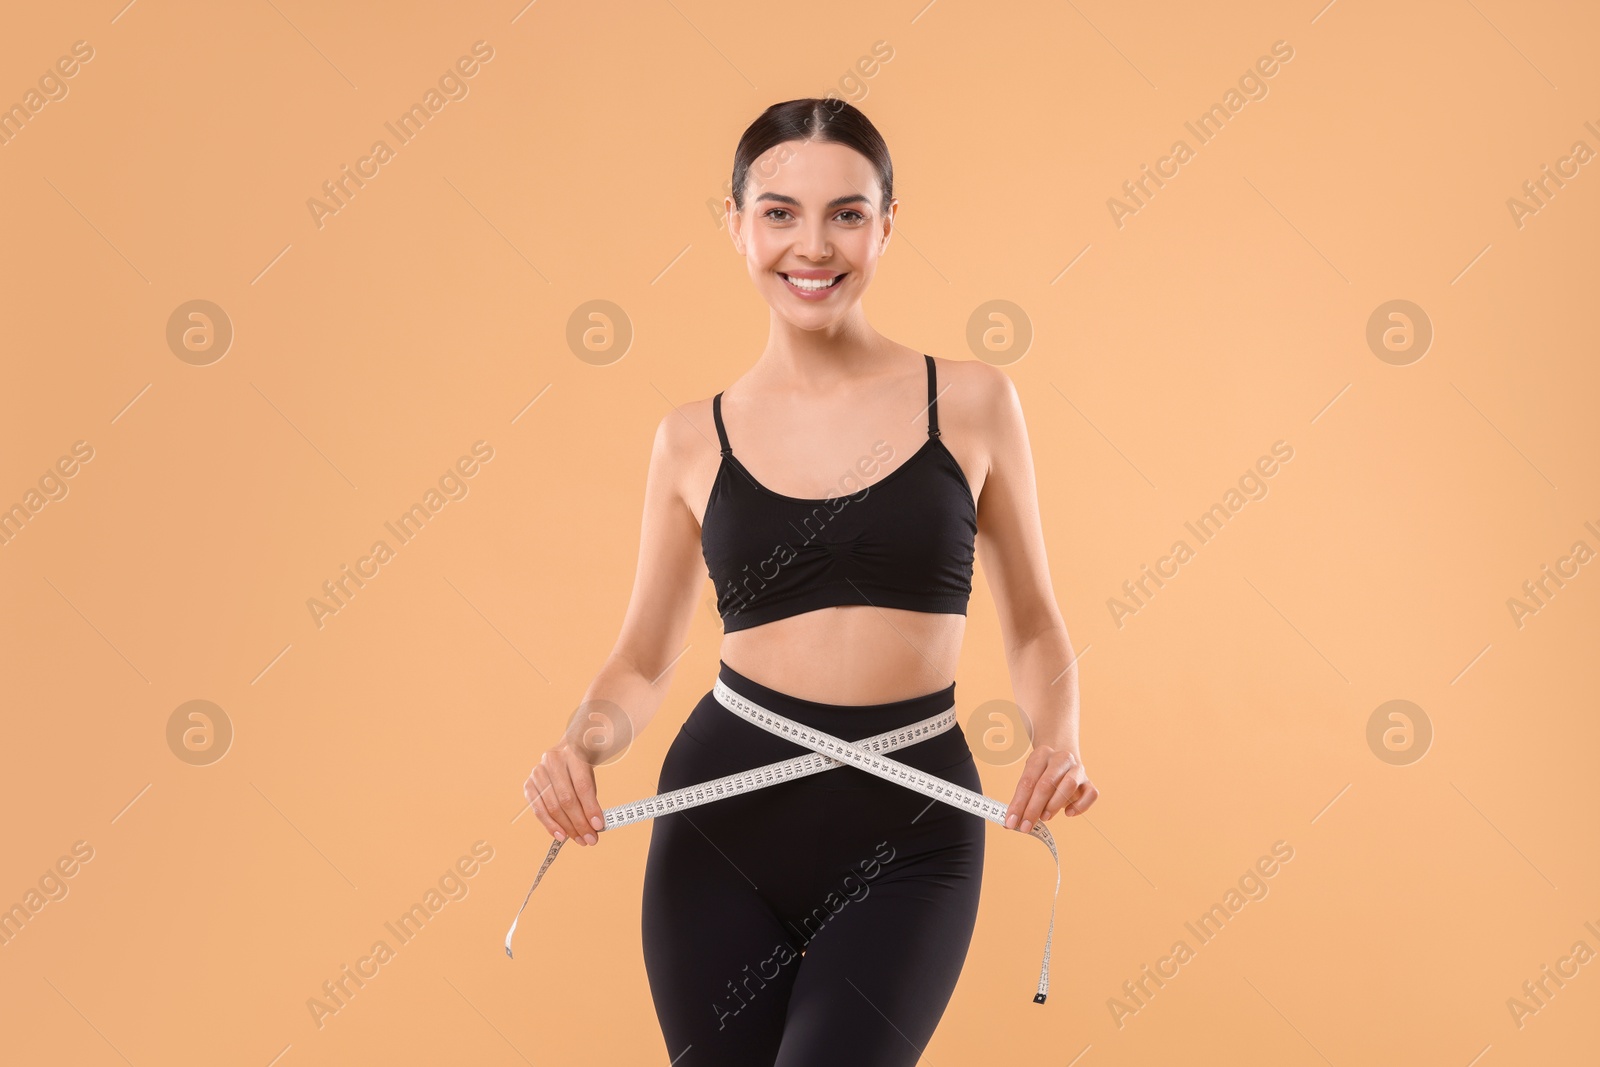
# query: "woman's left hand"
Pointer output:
{"type": "Point", "coordinates": [1052, 780]}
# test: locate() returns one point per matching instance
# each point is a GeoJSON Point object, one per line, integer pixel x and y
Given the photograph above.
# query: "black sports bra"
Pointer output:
{"type": "Point", "coordinates": [904, 541]}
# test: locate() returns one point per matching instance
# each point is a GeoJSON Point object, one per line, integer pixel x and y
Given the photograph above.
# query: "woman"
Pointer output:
{"type": "Point", "coordinates": [824, 919]}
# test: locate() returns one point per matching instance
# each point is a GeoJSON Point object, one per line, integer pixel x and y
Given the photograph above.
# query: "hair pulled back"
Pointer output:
{"type": "Point", "coordinates": [812, 119]}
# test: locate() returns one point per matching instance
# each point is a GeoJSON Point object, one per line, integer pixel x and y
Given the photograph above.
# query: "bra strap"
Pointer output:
{"type": "Point", "coordinates": [722, 433]}
{"type": "Point", "coordinates": [933, 399]}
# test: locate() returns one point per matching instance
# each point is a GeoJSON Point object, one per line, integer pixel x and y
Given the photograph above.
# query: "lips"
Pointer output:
{"type": "Point", "coordinates": [819, 284]}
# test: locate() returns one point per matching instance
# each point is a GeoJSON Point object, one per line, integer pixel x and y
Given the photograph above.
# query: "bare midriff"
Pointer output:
{"type": "Point", "coordinates": [850, 654]}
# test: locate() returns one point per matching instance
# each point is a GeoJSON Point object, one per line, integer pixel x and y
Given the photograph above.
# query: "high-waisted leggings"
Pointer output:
{"type": "Point", "coordinates": [818, 922]}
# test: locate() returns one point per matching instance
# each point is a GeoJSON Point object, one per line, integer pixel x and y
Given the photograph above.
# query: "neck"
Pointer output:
{"type": "Point", "coordinates": [819, 361]}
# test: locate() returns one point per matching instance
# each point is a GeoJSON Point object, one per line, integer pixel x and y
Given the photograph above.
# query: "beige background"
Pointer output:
{"type": "Point", "coordinates": [369, 353]}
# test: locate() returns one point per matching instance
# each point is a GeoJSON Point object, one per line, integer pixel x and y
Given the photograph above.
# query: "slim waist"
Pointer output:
{"type": "Point", "coordinates": [847, 721]}
{"type": "Point", "coordinates": [730, 743]}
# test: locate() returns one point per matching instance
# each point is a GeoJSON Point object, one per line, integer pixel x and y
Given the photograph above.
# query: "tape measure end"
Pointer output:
{"type": "Point", "coordinates": [1038, 998]}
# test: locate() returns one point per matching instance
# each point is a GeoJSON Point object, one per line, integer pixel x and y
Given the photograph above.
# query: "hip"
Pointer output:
{"type": "Point", "coordinates": [714, 742]}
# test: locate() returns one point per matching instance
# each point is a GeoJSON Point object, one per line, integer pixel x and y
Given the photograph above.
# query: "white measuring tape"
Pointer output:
{"type": "Point", "coordinates": [827, 753]}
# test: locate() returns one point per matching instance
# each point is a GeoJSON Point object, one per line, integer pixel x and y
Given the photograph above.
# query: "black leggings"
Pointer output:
{"type": "Point", "coordinates": [819, 922]}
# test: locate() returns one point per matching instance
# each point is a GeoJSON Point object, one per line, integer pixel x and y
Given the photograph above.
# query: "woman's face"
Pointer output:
{"type": "Point", "coordinates": [811, 216]}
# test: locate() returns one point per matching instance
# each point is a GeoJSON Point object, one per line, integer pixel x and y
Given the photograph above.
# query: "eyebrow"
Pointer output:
{"type": "Point", "coordinates": [838, 201]}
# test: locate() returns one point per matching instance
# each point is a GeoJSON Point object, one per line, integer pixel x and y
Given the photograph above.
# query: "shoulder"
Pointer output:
{"type": "Point", "coordinates": [975, 392]}
{"type": "Point", "coordinates": [684, 450]}
{"type": "Point", "coordinates": [686, 433]}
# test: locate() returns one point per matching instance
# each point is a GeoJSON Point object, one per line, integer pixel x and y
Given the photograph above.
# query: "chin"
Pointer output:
{"type": "Point", "coordinates": [813, 318]}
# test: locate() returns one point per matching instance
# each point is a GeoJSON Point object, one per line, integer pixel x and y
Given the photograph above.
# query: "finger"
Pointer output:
{"type": "Point", "coordinates": [550, 795]}
{"type": "Point", "coordinates": [1069, 788]}
{"type": "Point", "coordinates": [545, 806]}
{"type": "Point", "coordinates": [588, 799]}
{"type": "Point", "coordinates": [1048, 782]}
{"type": "Point", "coordinates": [537, 804]}
{"type": "Point", "coordinates": [1081, 802]}
{"type": "Point", "coordinates": [1031, 771]}
{"type": "Point", "coordinates": [566, 796]}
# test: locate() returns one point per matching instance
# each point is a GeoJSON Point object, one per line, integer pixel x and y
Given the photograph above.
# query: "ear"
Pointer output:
{"type": "Point", "coordinates": [888, 226]}
{"type": "Point", "coordinates": [735, 220]}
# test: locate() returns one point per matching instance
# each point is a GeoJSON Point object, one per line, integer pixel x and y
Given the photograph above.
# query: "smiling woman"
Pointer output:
{"type": "Point", "coordinates": [842, 628]}
{"type": "Point", "coordinates": [782, 242]}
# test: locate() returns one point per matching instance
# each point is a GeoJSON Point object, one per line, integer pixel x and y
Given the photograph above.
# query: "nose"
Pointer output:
{"type": "Point", "coordinates": [812, 240]}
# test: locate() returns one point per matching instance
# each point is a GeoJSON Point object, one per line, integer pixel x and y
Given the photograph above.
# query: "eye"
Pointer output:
{"type": "Point", "coordinates": [851, 211]}
{"type": "Point", "coordinates": [767, 214]}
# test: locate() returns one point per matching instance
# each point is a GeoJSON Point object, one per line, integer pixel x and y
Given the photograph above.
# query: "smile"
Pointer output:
{"type": "Point", "coordinates": [809, 285]}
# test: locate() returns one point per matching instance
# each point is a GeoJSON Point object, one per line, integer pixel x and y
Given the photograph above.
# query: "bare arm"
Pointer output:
{"type": "Point", "coordinates": [1039, 655]}
{"type": "Point", "coordinates": [628, 689]}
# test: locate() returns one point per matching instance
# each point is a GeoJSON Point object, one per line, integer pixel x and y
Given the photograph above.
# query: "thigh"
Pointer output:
{"type": "Point", "coordinates": [876, 979]}
{"type": "Point", "coordinates": [719, 961]}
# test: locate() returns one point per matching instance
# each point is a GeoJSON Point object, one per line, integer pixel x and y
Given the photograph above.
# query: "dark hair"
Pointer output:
{"type": "Point", "coordinates": [812, 119]}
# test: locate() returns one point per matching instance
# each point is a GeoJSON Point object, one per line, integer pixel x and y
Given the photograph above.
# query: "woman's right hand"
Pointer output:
{"type": "Point", "coordinates": [561, 791]}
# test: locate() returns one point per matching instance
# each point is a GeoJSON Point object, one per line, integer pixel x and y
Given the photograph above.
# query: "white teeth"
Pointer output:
{"type": "Point", "coordinates": [806, 283]}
